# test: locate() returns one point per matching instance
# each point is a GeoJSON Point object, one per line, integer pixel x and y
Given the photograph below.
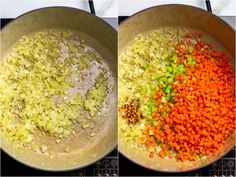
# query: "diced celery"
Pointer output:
{"type": "Point", "coordinates": [96, 95]}
{"type": "Point", "coordinates": [34, 83]}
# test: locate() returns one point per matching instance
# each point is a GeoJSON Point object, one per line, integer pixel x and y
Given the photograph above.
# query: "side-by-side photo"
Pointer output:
{"type": "Point", "coordinates": [58, 91]}
{"type": "Point", "coordinates": [117, 88]}
{"type": "Point", "coordinates": [176, 94]}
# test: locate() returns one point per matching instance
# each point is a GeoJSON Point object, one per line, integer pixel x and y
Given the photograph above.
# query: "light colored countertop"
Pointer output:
{"type": "Point", "coordinates": [106, 9]}
{"type": "Point", "coordinates": [109, 9]}
{"type": "Point", "coordinates": [219, 7]}
{"type": "Point", "coordinates": [14, 8]}
{"type": "Point", "coordinates": [225, 9]}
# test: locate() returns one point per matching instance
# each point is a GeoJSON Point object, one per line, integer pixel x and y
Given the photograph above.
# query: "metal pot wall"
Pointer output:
{"type": "Point", "coordinates": [216, 31]}
{"type": "Point", "coordinates": [100, 36]}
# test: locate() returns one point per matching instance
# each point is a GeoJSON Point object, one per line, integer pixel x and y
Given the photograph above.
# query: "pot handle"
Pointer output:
{"type": "Point", "coordinates": [208, 5]}
{"type": "Point", "coordinates": [91, 6]}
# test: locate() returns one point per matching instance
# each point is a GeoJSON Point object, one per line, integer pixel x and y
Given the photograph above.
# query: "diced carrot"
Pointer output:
{"type": "Point", "coordinates": [202, 116]}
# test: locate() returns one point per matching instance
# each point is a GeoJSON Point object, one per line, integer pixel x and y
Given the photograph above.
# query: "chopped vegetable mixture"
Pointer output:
{"type": "Point", "coordinates": [185, 89]}
{"type": "Point", "coordinates": [96, 95]}
{"type": "Point", "coordinates": [36, 80]}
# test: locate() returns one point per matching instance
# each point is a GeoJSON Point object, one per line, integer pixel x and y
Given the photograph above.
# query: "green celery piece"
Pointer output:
{"type": "Point", "coordinates": [168, 97]}
{"type": "Point", "coordinates": [96, 95]}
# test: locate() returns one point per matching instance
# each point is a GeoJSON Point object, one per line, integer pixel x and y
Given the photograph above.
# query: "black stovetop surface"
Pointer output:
{"type": "Point", "coordinates": [106, 166]}
{"type": "Point", "coordinates": [224, 167]}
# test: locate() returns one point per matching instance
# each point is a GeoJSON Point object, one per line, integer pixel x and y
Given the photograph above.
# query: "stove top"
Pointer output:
{"type": "Point", "coordinates": [224, 167]}
{"type": "Point", "coordinates": [104, 167]}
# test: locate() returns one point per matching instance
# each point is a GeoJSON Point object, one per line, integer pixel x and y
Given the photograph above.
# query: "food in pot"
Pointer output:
{"type": "Point", "coordinates": [49, 82]}
{"type": "Point", "coordinates": [96, 95]}
{"type": "Point", "coordinates": [185, 91]}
